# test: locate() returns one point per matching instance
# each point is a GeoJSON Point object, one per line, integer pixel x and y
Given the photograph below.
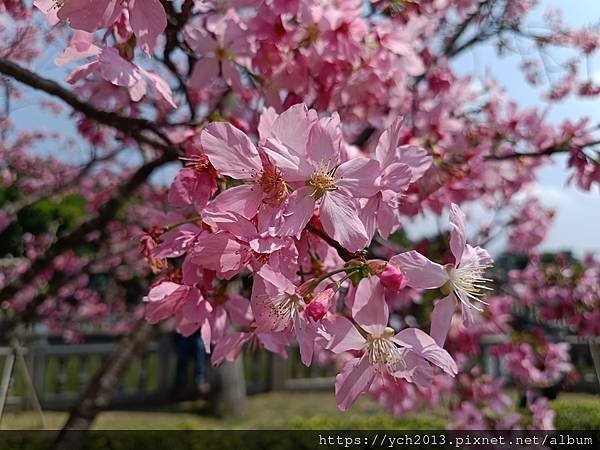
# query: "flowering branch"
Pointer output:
{"type": "Point", "coordinates": [130, 126]}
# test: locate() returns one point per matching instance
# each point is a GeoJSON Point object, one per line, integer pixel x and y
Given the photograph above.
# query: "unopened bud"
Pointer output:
{"type": "Point", "coordinates": [393, 278]}
{"type": "Point", "coordinates": [319, 305]}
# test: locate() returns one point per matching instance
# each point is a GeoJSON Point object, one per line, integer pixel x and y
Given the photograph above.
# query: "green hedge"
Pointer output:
{"type": "Point", "coordinates": [571, 414]}
{"type": "Point", "coordinates": [577, 414]}
{"type": "Point", "coordinates": [379, 421]}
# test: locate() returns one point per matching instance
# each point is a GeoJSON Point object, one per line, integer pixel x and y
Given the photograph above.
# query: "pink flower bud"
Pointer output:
{"type": "Point", "coordinates": [319, 305]}
{"type": "Point", "coordinates": [393, 278]}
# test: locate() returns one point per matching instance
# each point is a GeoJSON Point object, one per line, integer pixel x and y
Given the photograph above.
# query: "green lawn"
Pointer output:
{"type": "Point", "coordinates": [296, 410]}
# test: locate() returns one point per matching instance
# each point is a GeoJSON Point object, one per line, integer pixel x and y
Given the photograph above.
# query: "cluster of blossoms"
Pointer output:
{"type": "Point", "coordinates": [94, 286]}
{"type": "Point", "coordinates": [531, 224]}
{"type": "Point", "coordinates": [302, 202]}
{"type": "Point", "coordinates": [483, 405]}
{"type": "Point", "coordinates": [340, 56]}
{"type": "Point", "coordinates": [297, 210]}
{"type": "Point", "coordinates": [536, 362]}
{"type": "Point", "coordinates": [563, 292]}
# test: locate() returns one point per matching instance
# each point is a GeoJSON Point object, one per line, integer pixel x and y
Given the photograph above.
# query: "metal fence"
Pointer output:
{"type": "Point", "coordinates": [60, 370]}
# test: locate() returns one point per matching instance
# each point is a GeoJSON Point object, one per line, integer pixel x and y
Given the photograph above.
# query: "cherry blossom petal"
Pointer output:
{"type": "Point", "coordinates": [369, 308]}
{"type": "Point", "coordinates": [230, 151]}
{"type": "Point", "coordinates": [292, 127]}
{"type": "Point", "coordinates": [191, 188]}
{"type": "Point", "coordinates": [81, 45]}
{"type": "Point", "coordinates": [148, 20]}
{"type": "Point", "coordinates": [416, 158]}
{"type": "Point", "coordinates": [293, 165]}
{"type": "Point", "coordinates": [340, 220]}
{"type": "Point", "coordinates": [421, 272]}
{"type": "Point", "coordinates": [342, 335]}
{"type": "Point", "coordinates": [441, 318]}
{"type": "Point", "coordinates": [474, 256]}
{"type": "Point", "coordinates": [305, 335]}
{"type": "Point", "coordinates": [199, 40]}
{"type": "Point", "coordinates": [220, 252]}
{"type": "Point", "coordinates": [298, 212]}
{"type": "Point", "coordinates": [243, 200]}
{"type": "Point", "coordinates": [368, 215]}
{"type": "Point", "coordinates": [89, 15]}
{"type": "Point", "coordinates": [388, 219]}
{"type": "Point", "coordinates": [239, 310]}
{"type": "Point", "coordinates": [229, 347]}
{"type": "Point", "coordinates": [161, 88]}
{"type": "Point", "coordinates": [178, 241]}
{"type": "Point", "coordinates": [354, 379]}
{"type": "Point", "coordinates": [396, 177]}
{"type": "Point", "coordinates": [424, 345]}
{"type": "Point", "coordinates": [414, 369]}
{"type": "Point", "coordinates": [204, 73]}
{"type": "Point", "coordinates": [458, 238]}
{"type": "Point", "coordinates": [385, 152]}
{"type": "Point", "coordinates": [357, 177]}
{"type": "Point", "coordinates": [322, 148]}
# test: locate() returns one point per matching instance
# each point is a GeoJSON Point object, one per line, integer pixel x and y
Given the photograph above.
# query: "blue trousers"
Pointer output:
{"type": "Point", "coordinates": [187, 348]}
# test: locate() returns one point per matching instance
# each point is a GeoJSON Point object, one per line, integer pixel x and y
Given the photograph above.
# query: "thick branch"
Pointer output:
{"type": "Point", "coordinates": [130, 126]}
{"type": "Point", "coordinates": [101, 389]}
{"type": "Point", "coordinates": [553, 149]}
{"type": "Point", "coordinates": [344, 254]}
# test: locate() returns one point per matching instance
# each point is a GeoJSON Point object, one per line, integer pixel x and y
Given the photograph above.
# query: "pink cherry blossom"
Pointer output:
{"type": "Point", "coordinates": [464, 279]}
{"type": "Point", "coordinates": [234, 155]}
{"type": "Point", "coordinates": [220, 56]}
{"type": "Point", "coordinates": [112, 68]}
{"type": "Point", "coordinates": [406, 354]}
{"type": "Point", "coordinates": [310, 161]}
{"type": "Point", "coordinates": [146, 17]}
{"type": "Point", "coordinates": [278, 308]}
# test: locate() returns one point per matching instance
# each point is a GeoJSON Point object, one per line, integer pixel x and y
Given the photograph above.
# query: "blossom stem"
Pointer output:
{"type": "Point", "coordinates": [347, 270]}
{"type": "Point", "coordinates": [183, 222]}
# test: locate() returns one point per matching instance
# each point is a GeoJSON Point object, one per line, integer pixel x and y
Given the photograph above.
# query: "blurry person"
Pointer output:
{"type": "Point", "coordinates": [190, 347]}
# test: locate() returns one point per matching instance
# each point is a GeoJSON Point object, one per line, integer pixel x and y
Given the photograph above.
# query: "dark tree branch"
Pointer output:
{"type": "Point", "coordinates": [78, 235]}
{"type": "Point", "coordinates": [130, 126]}
{"type": "Point", "coordinates": [344, 254]}
{"type": "Point", "coordinates": [101, 389]}
{"type": "Point", "coordinates": [559, 148]}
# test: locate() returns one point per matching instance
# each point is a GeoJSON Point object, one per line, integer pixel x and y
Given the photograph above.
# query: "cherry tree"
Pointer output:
{"type": "Point", "coordinates": [309, 135]}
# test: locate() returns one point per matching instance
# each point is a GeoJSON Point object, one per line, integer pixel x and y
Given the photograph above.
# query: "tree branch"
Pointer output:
{"type": "Point", "coordinates": [130, 126]}
{"type": "Point", "coordinates": [76, 236]}
{"type": "Point", "coordinates": [553, 149]}
{"type": "Point", "coordinates": [344, 254]}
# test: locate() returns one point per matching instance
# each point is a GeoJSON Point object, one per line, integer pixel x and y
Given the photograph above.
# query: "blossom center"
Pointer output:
{"type": "Point", "coordinates": [222, 54]}
{"type": "Point", "coordinates": [383, 351]}
{"type": "Point", "coordinates": [469, 284]}
{"type": "Point", "coordinates": [282, 310]}
{"type": "Point", "coordinates": [323, 181]}
{"type": "Point", "coordinates": [273, 184]}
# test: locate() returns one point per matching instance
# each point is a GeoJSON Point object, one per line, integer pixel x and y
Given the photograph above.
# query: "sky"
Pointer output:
{"type": "Point", "coordinates": [578, 213]}
{"type": "Point", "coordinates": [577, 222]}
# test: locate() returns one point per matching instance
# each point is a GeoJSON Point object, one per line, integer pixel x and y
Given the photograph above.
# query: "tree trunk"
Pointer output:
{"type": "Point", "coordinates": [102, 387]}
{"type": "Point", "coordinates": [228, 389]}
